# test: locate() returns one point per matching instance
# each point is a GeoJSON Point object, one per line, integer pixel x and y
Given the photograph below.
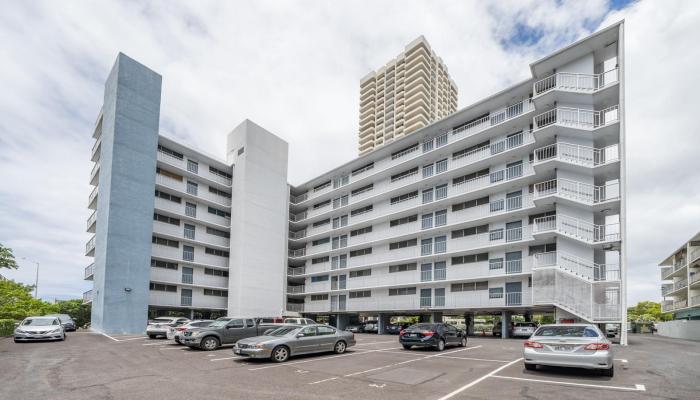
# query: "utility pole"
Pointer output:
{"type": "Point", "coordinates": [36, 282]}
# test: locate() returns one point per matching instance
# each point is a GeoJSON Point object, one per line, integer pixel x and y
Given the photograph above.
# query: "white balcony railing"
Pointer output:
{"type": "Point", "coordinates": [576, 118]}
{"type": "Point", "coordinates": [295, 289]}
{"type": "Point", "coordinates": [575, 82]}
{"type": "Point", "coordinates": [578, 266]}
{"type": "Point", "coordinates": [91, 220]}
{"type": "Point", "coordinates": [578, 229]}
{"type": "Point", "coordinates": [680, 284]}
{"type": "Point", "coordinates": [93, 196]}
{"type": "Point", "coordinates": [87, 296]}
{"type": "Point", "coordinates": [90, 245]}
{"type": "Point", "coordinates": [577, 154]}
{"type": "Point", "coordinates": [296, 307]}
{"type": "Point", "coordinates": [580, 192]}
{"type": "Point", "coordinates": [667, 305]}
{"type": "Point", "coordinates": [89, 271]}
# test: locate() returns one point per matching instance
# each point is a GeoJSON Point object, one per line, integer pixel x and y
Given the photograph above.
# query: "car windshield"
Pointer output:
{"type": "Point", "coordinates": [566, 331]}
{"type": "Point", "coordinates": [219, 323]}
{"type": "Point", "coordinates": [39, 321]}
{"type": "Point", "coordinates": [201, 323]}
{"type": "Point", "coordinates": [283, 331]}
{"type": "Point", "coordinates": [421, 327]}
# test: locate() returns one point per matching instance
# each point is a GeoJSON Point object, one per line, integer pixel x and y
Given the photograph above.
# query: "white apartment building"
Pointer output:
{"type": "Point", "coordinates": [406, 94]}
{"type": "Point", "coordinates": [680, 276]}
{"type": "Point", "coordinates": [512, 205]}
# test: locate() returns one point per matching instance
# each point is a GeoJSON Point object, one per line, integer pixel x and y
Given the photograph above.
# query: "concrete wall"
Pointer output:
{"type": "Point", "coordinates": [259, 222]}
{"type": "Point", "coordinates": [125, 201]}
{"type": "Point", "coordinates": [680, 329]}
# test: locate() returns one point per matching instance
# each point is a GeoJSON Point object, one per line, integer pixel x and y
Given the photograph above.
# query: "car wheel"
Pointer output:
{"type": "Point", "coordinates": [407, 347]}
{"type": "Point", "coordinates": [441, 345]}
{"type": "Point", "coordinates": [280, 354]}
{"type": "Point", "coordinates": [152, 336]}
{"type": "Point", "coordinates": [530, 367]}
{"type": "Point", "coordinates": [463, 343]}
{"type": "Point", "coordinates": [209, 343]}
{"type": "Point", "coordinates": [340, 347]}
{"type": "Point", "coordinates": [608, 372]}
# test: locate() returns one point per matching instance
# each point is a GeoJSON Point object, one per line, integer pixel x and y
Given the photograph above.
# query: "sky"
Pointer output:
{"type": "Point", "coordinates": [294, 68]}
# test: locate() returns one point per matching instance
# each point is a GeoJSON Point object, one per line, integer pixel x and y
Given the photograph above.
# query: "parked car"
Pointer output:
{"type": "Point", "coordinates": [569, 345]}
{"type": "Point", "coordinates": [66, 321]}
{"type": "Point", "coordinates": [524, 329]}
{"type": "Point", "coordinates": [39, 328]}
{"type": "Point", "coordinates": [395, 329]}
{"type": "Point", "coordinates": [225, 330]}
{"type": "Point", "coordinates": [436, 335]}
{"type": "Point", "coordinates": [159, 326]}
{"type": "Point", "coordinates": [299, 321]}
{"type": "Point", "coordinates": [292, 340]}
{"type": "Point", "coordinates": [175, 332]}
{"type": "Point", "coordinates": [355, 328]}
{"type": "Point", "coordinates": [370, 327]}
{"type": "Point", "coordinates": [496, 331]}
{"type": "Point", "coordinates": [611, 330]}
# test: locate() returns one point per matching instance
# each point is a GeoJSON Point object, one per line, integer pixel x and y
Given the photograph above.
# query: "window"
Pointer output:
{"type": "Point", "coordinates": [360, 273]}
{"type": "Point", "coordinates": [169, 174]}
{"type": "Point", "coordinates": [362, 189]}
{"type": "Point", "coordinates": [215, 272]}
{"type": "Point", "coordinates": [441, 166]}
{"type": "Point", "coordinates": [214, 292]}
{"type": "Point", "coordinates": [163, 264]}
{"type": "Point", "coordinates": [340, 222]}
{"type": "Point", "coordinates": [322, 186]}
{"type": "Point", "coordinates": [441, 218]}
{"type": "Point", "coordinates": [427, 171]}
{"type": "Point", "coordinates": [402, 268]}
{"type": "Point", "coordinates": [216, 252]}
{"type": "Point", "coordinates": [192, 188]}
{"type": "Point", "coordinates": [168, 196]}
{"type": "Point", "coordinates": [341, 181]}
{"type": "Point", "coordinates": [427, 145]}
{"type": "Point", "coordinates": [403, 152]}
{"type": "Point", "coordinates": [163, 287]}
{"type": "Point", "coordinates": [402, 244]}
{"type": "Point", "coordinates": [340, 241]}
{"type": "Point", "coordinates": [426, 247]}
{"type": "Point", "coordinates": [402, 291]}
{"type": "Point", "coordinates": [321, 204]}
{"type": "Point", "coordinates": [427, 221]}
{"type": "Point", "coordinates": [166, 219]}
{"type": "Point", "coordinates": [325, 330]}
{"type": "Point", "coordinates": [235, 323]}
{"type": "Point", "coordinates": [362, 210]}
{"type": "Point", "coordinates": [340, 261]}
{"type": "Point", "coordinates": [217, 232]}
{"type": "Point", "coordinates": [173, 153]}
{"type": "Point", "coordinates": [319, 260]}
{"type": "Point", "coordinates": [470, 258]}
{"type": "Point", "coordinates": [404, 197]}
{"type": "Point", "coordinates": [440, 244]}
{"type": "Point", "coordinates": [362, 293]}
{"type": "Point", "coordinates": [319, 297]}
{"type": "Point", "coordinates": [440, 192]}
{"type": "Point", "coordinates": [220, 173]}
{"type": "Point", "coordinates": [469, 177]}
{"type": "Point", "coordinates": [191, 210]}
{"type": "Point", "coordinates": [189, 231]}
{"type": "Point", "coordinates": [542, 248]}
{"type": "Point", "coordinates": [496, 293]}
{"type": "Point", "coordinates": [218, 212]}
{"type": "Point", "coordinates": [470, 150]}
{"type": "Point", "coordinates": [427, 195]}
{"type": "Point", "coordinates": [469, 286]}
{"type": "Point", "coordinates": [321, 223]}
{"type": "Point", "coordinates": [165, 242]}
{"type": "Point", "coordinates": [440, 271]}
{"type": "Point", "coordinates": [219, 192]}
{"type": "Point", "coordinates": [309, 331]}
{"type": "Point", "coordinates": [404, 220]}
{"type": "Point", "coordinates": [192, 166]}
{"type": "Point", "coordinates": [470, 204]}
{"type": "Point", "coordinates": [362, 169]}
{"type": "Point", "coordinates": [361, 252]}
{"type": "Point", "coordinates": [187, 277]}
{"type": "Point", "coordinates": [361, 231]}
{"type": "Point", "coordinates": [188, 253]}
{"type": "Point", "coordinates": [320, 278]}
{"type": "Point", "coordinates": [474, 230]}
{"type": "Point", "coordinates": [340, 201]}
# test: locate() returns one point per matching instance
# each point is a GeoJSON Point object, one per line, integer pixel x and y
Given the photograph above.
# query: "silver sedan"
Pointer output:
{"type": "Point", "coordinates": [292, 340]}
{"type": "Point", "coordinates": [569, 345]}
{"type": "Point", "coordinates": [39, 328]}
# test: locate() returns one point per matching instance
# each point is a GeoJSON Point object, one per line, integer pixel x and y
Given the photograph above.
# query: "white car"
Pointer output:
{"type": "Point", "coordinates": [175, 332]}
{"type": "Point", "coordinates": [524, 329]}
{"type": "Point", "coordinates": [159, 326]}
{"type": "Point", "coordinates": [299, 321]}
{"type": "Point", "coordinates": [39, 328]}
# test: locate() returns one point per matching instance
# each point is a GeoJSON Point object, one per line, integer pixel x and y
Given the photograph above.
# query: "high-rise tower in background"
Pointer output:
{"type": "Point", "coordinates": [408, 93]}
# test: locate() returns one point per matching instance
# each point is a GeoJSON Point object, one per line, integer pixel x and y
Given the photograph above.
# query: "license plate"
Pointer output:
{"type": "Point", "coordinates": [562, 348]}
{"type": "Point", "coordinates": [412, 335]}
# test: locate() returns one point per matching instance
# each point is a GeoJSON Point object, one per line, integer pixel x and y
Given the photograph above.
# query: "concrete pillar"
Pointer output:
{"type": "Point", "coordinates": [425, 318]}
{"type": "Point", "coordinates": [469, 322]}
{"type": "Point", "coordinates": [342, 321]}
{"type": "Point", "coordinates": [383, 320]}
{"type": "Point", "coordinates": [528, 316]}
{"type": "Point", "coordinates": [191, 314]}
{"type": "Point", "coordinates": [436, 317]}
{"type": "Point", "coordinates": [505, 324]}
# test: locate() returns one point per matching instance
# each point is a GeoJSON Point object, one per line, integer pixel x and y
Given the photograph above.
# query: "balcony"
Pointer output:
{"type": "Point", "coordinates": [695, 301]}
{"type": "Point", "coordinates": [96, 148]}
{"type": "Point", "coordinates": [199, 236]}
{"type": "Point", "coordinates": [694, 255]}
{"type": "Point", "coordinates": [667, 305]}
{"type": "Point", "coordinates": [92, 200]}
{"type": "Point", "coordinates": [580, 267]}
{"type": "Point", "coordinates": [181, 187]}
{"type": "Point", "coordinates": [576, 118]}
{"type": "Point", "coordinates": [295, 307]}
{"type": "Point", "coordinates": [577, 155]}
{"type": "Point", "coordinates": [665, 272]}
{"type": "Point", "coordinates": [89, 272]}
{"type": "Point", "coordinates": [694, 278]}
{"type": "Point", "coordinates": [295, 289]}
{"type": "Point", "coordinates": [171, 159]}
{"type": "Point", "coordinates": [666, 289]}
{"type": "Point", "coordinates": [683, 283]}
{"type": "Point", "coordinates": [577, 192]}
{"type": "Point", "coordinates": [90, 247]}
{"type": "Point", "coordinates": [577, 229]}
{"type": "Point", "coordinates": [677, 305]}
{"type": "Point", "coordinates": [87, 297]}
{"type": "Point", "coordinates": [575, 82]}
{"type": "Point", "coordinates": [292, 271]}
{"type": "Point", "coordinates": [92, 222]}
{"type": "Point", "coordinates": [95, 174]}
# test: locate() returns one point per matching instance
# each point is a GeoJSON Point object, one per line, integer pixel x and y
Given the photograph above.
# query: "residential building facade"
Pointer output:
{"type": "Point", "coordinates": [680, 276]}
{"type": "Point", "coordinates": [408, 93]}
{"type": "Point", "coordinates": [514, 204]}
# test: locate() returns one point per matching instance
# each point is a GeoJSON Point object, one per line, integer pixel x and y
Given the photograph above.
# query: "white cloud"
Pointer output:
{"type": "Point", "coordinates": [294, 68]}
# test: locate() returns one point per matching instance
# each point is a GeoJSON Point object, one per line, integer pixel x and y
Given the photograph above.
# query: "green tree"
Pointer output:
{"type": "Point", "coordinates": [7, 259]}
{"type": "Point", "coordinates": [647, 311]}
{"type": "Point", "coordinates": [16, 301]}
{"type": "Point", "coordinates": [77, 310]}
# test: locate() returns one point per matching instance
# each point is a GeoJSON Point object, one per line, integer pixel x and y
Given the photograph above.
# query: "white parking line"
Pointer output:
{"type": "Point", "coordinates": [639, 388]}
{"type": "Point", "coordinates": [172, 348]}
{"type": "Point", "coordinates": [474, 382]}
{"type": "Point", "coordinates": [134, 338]}
{"type": "Point", "coordinates": [406, 362]}
{"type": "Point", "coordinates": [354, 353]}
{"type": "Point", "coordinates": [106, 335]}
{"type": "Point", "coordinates": [365, 344]}
{"type": "Point", "coordinates": [154, 344]}
{"type": "Point", "coordinates": [225, 358]}
{"type": "Point", "coordinates": [324, 380]}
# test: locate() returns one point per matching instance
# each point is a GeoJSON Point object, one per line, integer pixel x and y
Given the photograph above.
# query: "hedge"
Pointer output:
{"type": "Point", "coordinates": [7, 327]}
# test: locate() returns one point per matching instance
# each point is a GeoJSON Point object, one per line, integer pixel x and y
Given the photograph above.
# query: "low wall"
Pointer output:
{"type": "Point", "coordinates": [680, 329]}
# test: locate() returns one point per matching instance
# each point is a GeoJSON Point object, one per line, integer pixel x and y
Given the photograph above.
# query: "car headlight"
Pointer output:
{"type": "Point", "coordinates": [260, 346]}
{"type": "Point", "coordinates": [196, 333]}
{"type": "Point", "coordinates": [56, 330]}
{"type": "Point", "coordinates": [19, 331]}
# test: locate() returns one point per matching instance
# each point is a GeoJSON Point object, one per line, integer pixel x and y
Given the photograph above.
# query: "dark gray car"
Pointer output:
{"type": "Point", "coordinates": [225, 330]}
{"type": "Point", "coordinates": [292, 340]}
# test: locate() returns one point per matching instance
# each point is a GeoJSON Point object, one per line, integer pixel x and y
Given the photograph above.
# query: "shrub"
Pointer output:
{"type": "Point", "coordinates": [7, 327]}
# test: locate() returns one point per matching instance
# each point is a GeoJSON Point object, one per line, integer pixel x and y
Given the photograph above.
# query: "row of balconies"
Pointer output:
{"type": "Point", "coordinates": [198, 256]}
{"type": "Point", "coordinates": [181, 186]}
{"type": "Point", "coordinates": [575, 82]}
{"type": "Point", "coordinates": [182, 165]}
{"type": "Point", "coordinates": [198, 236]}
{"type": "Point", "coordinates": [175, 299]}
{"type": "Point", "coordinates": [197, 278]}
{"type": "Point", "coordinates": [197, 214]}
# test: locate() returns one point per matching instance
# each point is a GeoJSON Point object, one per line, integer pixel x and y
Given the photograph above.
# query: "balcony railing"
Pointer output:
{"type": "Point", "coordinates": [295, 307]}
{"type": "Point", "coordinates": [90, 245]}
{"type": "Point", "coordinates": [298, 199]}
{"type": "Point", "coordinates": [291, 271]}
{"type": "Point", "coordinates": [695, 300]}
{"type": "Point", "coordinates": [578, 191]}
{"type": "Point", "coordinates": [694, 278]}
{"type": "Point", "coordinates": [575, 82]}
{"type": "Point", "coordinates": [576, 118]}
{"type": "Point", "coordinates": [295, 289]}
{"type": "Point", "coordinates": [694, 254]}
{"type": "Point", "coordinates": [87, 296]}
{"type": "Point", "coordinates": [89, 271]}
{"type": "Point", "coordinates": [581, 230]}
{"type": "Point", "coordinates": [91, 220]}
{"type": "Point", "coordinates": [92, 197]}
{"type": "Point", "coordinates": [577, 154]}
{"type": "Point", "coordinates": [666, 289]}
{"type": "Point", "coordinates": [665, 272]}
{"type": "Point", "coordinates": [514, 298]}
{"type": "Point", "coordinates": [680, 284]}
{"type": "Point", "coordinates": [667, 305]}
{"type": "Point", "coordinates": [578, 266]}
{"type": "Point", "coordinates": [680, 304]}
{"type": "Point", "coordinates": [514, 266]}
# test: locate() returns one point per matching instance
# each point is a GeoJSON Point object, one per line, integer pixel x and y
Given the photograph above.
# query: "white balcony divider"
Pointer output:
{"type": "Point", "coordinates": [576, 82]}
{"type": "Point", "coordinates": [577, 154]}
{"type": "Point", "coordinates": [576, 118]}
{"type": "Point", "coordinates": [578, 191]}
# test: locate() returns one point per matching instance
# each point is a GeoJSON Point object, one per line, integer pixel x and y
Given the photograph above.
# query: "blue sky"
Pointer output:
{"type": "Point", "coordinates": [294, 68]}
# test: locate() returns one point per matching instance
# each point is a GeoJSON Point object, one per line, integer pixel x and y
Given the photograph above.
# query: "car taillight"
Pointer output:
{"type": "Point", "coordinates": [427, 333]}
{"type": "Point", "coordinates": [597, 346]}
{"type": "Point", "coordinates": [534, 345]}
{"type": "Point", "coordinates": [401, 333]}
{"type": "Point", "coordinates": [181, 328]}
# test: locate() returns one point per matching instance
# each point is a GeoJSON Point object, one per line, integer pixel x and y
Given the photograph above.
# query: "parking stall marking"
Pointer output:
{"type": "Point", "coordinates": [324, 380]}
{"type": "Point", "coordinates": [636, 388]}
{"type": "Point", "coordinates": [406, 362]}
{"type": "Point", "coordinates": [366, 344]}
{"type": "Point", "coordinates": [353, 353]}
{"type": "Point", "coordinates": [476, 381]}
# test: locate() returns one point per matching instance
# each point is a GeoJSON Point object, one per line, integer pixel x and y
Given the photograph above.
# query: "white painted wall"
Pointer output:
{"type": "Point", "coordinates": [680, 329]}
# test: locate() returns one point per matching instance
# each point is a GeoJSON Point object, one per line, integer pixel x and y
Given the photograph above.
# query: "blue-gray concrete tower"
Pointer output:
{"type": "Point", "coordinates": [130, 117]}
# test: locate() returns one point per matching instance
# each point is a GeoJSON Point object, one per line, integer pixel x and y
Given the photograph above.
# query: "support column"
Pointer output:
{"type": "Point", "coordinates": [383, 321]}
{"type": "Point", "coordinates": [469, 322]}
{"type": "Point", "coordinates": [505, 324]}
{"type": "Point", "coordinates": [528, 316]}
{"type": "Point", "coordinates": [425, 318]}
{"type": "Point", "coordinates": [436, 317]}
{"type": "Point", "coordinates": [342, 321]}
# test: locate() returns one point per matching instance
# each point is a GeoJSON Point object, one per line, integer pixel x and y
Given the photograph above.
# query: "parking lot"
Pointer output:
{"type": "Point", "coordinates": [93, 366]}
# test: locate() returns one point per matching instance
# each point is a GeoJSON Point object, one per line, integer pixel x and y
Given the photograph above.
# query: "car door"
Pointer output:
{"type": "Point", "coordinates": [306, 341]}
{"type": "Point", "coordinates": [233, 331]}
{"type": "Point", "coordinates": [450, 335]}
{"type": "Point", "coordinates": [327, 337]}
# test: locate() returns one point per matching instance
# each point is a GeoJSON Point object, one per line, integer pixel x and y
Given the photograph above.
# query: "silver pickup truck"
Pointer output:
{"type": "Point", "coordinates": [225, 330]}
